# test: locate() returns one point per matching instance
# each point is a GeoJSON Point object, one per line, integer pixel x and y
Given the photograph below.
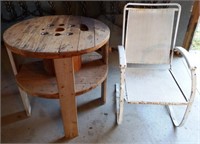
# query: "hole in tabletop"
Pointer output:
{"type": "Point", "coordinates": [83, 27]}
{"type": "Point", "coordinates": [57, 34]}
{"type": "Point", "coordinates": [60, 29]}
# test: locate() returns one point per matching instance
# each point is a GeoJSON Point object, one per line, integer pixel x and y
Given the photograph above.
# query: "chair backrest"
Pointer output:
{"type": "Point", "coordinates": [149, 32]}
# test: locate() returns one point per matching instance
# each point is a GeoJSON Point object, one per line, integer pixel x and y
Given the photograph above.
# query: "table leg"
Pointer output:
{"type": "Point", "coordinates": [49, 67]}
{"type": "Point", "coordinates": [23, 94]}
{"type": "Point", "coordinates": [104, 83]}
{"type": "Point", "coordinates": [65, 79]}
{"type": "Point", "coordinates": [103, 91]}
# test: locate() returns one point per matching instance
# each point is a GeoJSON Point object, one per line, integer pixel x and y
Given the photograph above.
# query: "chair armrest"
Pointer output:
{"type": "Point", "coordinates": [192, 68]}
{"type": "Point", "coordinates": [122, 56]}
{"type": "Point", "coordinates": [187, 57]}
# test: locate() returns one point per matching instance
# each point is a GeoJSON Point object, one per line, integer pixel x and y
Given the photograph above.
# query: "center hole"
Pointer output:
{"type": "Point", "coordinates": [60, 29]}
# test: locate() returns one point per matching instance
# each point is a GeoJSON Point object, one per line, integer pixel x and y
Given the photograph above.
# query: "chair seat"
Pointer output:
{"type": "Point", "coordinates": [152, 86]}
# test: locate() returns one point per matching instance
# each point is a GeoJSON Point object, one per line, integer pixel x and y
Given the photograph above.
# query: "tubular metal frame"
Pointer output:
{"type": "Point", "coordinates": [120, 88]}
{"type": "Point", "coordinates": [178, 7]}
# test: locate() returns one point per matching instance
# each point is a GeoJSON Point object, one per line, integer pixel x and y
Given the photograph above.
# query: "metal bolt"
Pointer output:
{"type": "Point", "coordinates": [69, 33]}
{"type": "Point", "coordinates": [50, 25]}
{"type": "Point", "coordinates": [44, 33]}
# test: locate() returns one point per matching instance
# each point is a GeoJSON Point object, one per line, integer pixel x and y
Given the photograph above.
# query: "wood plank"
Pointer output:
{"type": "Point", "coordinates": [56, 36]}
{"type": "Point", "coordinates": [34, 79]}
{"type": "Point", "coordinates": [105, 60]}
{"type": "Point", "coordinates": [65, 79]}
{"type": "Point", "coordinates": [77, 63]}
{"type": "Point", "coordinates": [31, 36]}
{"type": "Point", "coordinates": [15, 38]}
{"type": "Point", "coordinates": [91, 74]}
{"type": "Point", "coordinates": [86, 36]}
{"type": "Point", "coordinates": [23, 94]}
{"type": "Point", "coordinates": [49, 67]}
{"type": "Point", "coordinates": [105, 52]}
{"type": "Point", "coordinates": [102, 34]}
{"type": "Point", "coordinates": [72, 35]}
{"type": "Point", "coordinates": [54, 40]}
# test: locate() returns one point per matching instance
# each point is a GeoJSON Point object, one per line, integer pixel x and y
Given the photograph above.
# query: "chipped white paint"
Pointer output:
{"type": "Point", "coordinates": [150, 42]}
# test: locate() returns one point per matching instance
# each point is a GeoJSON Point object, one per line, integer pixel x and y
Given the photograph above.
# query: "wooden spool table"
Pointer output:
{"type": "Point", "coordinates": [70, 67]}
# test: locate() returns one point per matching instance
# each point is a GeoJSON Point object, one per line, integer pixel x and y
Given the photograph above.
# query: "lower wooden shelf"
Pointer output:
{"type": "Point", "coordinates": [33, 78]}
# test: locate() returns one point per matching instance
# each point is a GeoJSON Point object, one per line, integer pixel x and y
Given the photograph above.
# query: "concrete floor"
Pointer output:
{"type": "Point", "coordinates": [97, 123]}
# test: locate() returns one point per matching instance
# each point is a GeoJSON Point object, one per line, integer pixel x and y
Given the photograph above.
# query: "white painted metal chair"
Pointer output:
{"type": "Point", "coordinates": [148, 43]}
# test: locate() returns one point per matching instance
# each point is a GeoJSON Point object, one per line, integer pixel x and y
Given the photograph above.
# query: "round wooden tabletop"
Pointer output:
{"type": "Point", "coordinates": [56, 36]}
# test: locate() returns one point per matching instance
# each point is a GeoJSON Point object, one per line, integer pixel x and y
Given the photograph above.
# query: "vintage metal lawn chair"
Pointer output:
{"type": "Point", "coordinates": [148, 43]}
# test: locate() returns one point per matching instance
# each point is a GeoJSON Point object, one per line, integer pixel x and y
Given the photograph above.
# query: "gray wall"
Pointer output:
{"type": "Point", "coordinates": [109, 12]}
{"type": "Point", "coordinates": [184, 20]}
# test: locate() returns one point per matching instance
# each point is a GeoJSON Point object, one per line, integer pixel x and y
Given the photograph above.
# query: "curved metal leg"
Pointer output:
{"type": "Point", "coordinates": [190, 102]}
{"type": "Point", "coordinates": [173, 116]}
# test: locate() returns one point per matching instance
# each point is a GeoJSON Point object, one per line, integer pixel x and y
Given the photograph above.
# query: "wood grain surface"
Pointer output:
{"type": "Point", "coordinates": [56, 36]}
{"type": "Point", "coordinates": [34, 79]}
